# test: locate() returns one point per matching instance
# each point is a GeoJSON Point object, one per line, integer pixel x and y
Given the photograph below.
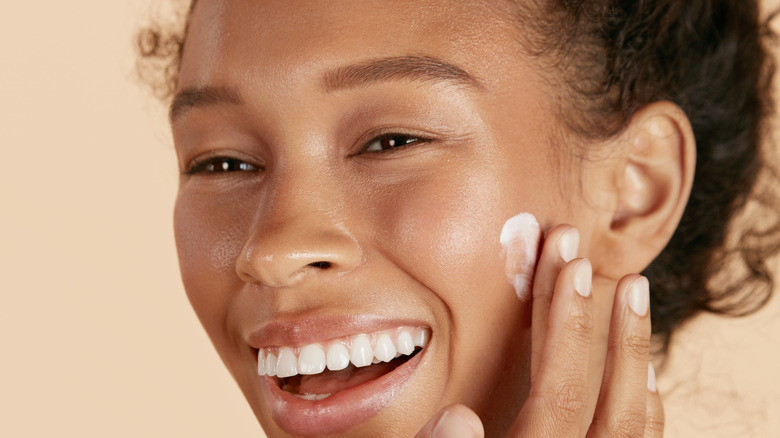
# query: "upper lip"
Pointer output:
{"type": "Point", "coordinates": [303, 330]}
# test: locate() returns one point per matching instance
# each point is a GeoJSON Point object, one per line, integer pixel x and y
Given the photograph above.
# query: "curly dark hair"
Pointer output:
{"type": "Point", "coordinates": [712, 59]}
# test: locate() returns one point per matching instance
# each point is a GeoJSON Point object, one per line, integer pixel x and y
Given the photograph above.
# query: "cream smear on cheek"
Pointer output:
{"type": "Point", "coordinates": [520, 242]}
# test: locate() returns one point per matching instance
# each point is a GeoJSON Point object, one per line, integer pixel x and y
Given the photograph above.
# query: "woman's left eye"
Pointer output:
{"type": "Point", "coordinates": [391, 141]}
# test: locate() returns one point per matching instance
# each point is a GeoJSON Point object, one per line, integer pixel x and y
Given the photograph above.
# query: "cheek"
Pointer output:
{"type": "Point", "coordinates": [209, 238]}
{"type": "Point", "coordinates": [443, 231]}
{"type": "Point", "coordinates": [444, 228]}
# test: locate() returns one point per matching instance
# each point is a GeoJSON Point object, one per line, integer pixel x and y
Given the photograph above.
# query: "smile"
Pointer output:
{"type": "Point", "coordinates": [330, 386]}
{"type": "Point", "coordinates": [318, 370]}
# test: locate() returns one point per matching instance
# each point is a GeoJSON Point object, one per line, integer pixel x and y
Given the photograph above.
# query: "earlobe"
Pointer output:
{"type": "Point", "coordinates": [653, 184]}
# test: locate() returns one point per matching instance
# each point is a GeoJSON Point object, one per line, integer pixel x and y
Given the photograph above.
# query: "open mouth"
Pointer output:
{"type": "Point", "coordinates": [318, 371]}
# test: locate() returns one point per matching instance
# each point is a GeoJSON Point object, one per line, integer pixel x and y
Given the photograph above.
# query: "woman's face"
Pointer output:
{"type": "Point", "coordinates": [347, 167]}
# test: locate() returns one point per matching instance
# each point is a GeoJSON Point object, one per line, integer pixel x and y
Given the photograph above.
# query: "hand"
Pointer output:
{"type": "Point", "coordinates": [573, 394]}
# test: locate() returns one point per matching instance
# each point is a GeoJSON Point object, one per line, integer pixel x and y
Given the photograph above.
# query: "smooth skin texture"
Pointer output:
{"type": "Point", "coordinates": [289, 207]}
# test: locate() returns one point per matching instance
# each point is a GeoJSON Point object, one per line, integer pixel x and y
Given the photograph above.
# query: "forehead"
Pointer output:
{"type": "Point", "coordinates": [286, 41]}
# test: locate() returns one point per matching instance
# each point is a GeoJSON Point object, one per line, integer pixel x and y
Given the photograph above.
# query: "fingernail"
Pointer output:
{"type": "Point", "coordinates": [639, 296]}
{"type": "Point", "coordinates": [651, 384]}
{"type": "Point", "coordinates": [568, 245]}
{"type": "Point", "coordinates": [583, 273]}
{"type": "Point", "coordinates": [451, 425]}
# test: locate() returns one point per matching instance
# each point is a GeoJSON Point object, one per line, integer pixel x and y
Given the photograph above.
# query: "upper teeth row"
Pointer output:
{"type": "Point", "coordinates": [361, 350]}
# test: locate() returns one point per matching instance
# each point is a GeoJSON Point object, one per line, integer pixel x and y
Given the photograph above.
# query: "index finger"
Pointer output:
{"type": "Point", "coordinates": [560, 247]}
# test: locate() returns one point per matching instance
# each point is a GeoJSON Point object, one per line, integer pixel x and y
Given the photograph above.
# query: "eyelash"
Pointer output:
{"type": "Point", "coordinates": [221, 164]}
{"type": "Point", "coordinates": [218, 164]}
{"type": "Point", "coordinates": [394, 141]}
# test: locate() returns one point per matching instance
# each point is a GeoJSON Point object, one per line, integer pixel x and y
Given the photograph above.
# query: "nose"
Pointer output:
{"type": "Point", "coordinates": [295, 243]}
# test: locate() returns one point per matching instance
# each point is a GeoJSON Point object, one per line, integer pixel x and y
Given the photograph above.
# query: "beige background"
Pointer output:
{"type": "Point", "coordinates": [96, 333]}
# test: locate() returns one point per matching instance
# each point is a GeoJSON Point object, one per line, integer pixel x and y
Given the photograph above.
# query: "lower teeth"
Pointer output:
{"type": "Point", "coordinates": [313, 397]}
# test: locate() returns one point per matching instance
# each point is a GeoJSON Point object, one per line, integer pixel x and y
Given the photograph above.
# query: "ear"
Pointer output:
{"type": "Point", "coordinates": [653, 177]}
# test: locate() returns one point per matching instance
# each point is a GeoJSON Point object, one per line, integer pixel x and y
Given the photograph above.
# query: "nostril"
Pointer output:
{"type": "Point", "coordinates": [321, 265]}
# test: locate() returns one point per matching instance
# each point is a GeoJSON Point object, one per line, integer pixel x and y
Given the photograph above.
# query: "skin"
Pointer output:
{"type": "Point", "coordinates": [412, 233]}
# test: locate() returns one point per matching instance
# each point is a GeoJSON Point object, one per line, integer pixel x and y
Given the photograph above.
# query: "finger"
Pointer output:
{"type": "Point", "coordinates": [557, 404]}
{"type": "Point", "coordinates": [654, 425]}
{"type": "Point", "coordinates": [560, 247]}
{"type": "Point", "coordinates": [455, 421]}
{"type": "Point", "coordinates": [621, 409]}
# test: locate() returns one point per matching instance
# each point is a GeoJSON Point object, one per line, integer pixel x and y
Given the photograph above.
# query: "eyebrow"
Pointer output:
{"type": "Point", "coordinates": [195, 97]}
{"type": "Point", "coordinates": [412, 68]}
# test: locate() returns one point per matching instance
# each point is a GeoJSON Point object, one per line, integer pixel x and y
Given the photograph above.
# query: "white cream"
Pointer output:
{"type": "Point", "coordinates": [520, 242]}
{"type": "Point", "coordinates": [361, 350]}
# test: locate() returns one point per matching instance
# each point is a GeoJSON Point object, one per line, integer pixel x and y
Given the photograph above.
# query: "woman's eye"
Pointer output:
{"type": "Point", "coordinates": [221, 165]}
{"type": "Point", "coordinates": [391, 141]}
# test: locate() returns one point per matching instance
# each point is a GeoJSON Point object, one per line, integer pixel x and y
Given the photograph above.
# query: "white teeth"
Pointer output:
{"type": "Point", "coordinates": [287, 365]}
{"type": "Point", "coordinates": [421, 340]}
{"type": "Point", "coordinates": [361, 350]}
{"type": "Point", "coordinates": [338, 357]}
{"type": "Point", "coordinates": [311, 360]}
{"type": "Point", "coordinates": [260, 363]}
{"type": "Point", "coordinates": [270, 364]}
{"type": "Point", "coordinates": [384, 350]}
{"type": "Point", "coordinates": [313, 397]}
{"type": "Point", "coordinates": [404, 343]}
{"type": "Point", "coordinates": [362, 354]}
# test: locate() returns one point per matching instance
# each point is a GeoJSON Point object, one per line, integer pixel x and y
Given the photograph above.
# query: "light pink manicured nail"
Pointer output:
{"type": "Point", "coordinates": [651, 383]}
{"type": "Point", "coordinates": [569, 244]}
{"type": "Point", "coordinates": [583, 277]}
{"type": "Point", "coordinates": [639, 296]}
{"type": "Point", "coordinates": [451, 425]}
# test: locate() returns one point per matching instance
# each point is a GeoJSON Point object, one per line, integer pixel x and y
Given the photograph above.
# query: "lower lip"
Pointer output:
{"type": "Point", "coordinates": [341, 411]}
